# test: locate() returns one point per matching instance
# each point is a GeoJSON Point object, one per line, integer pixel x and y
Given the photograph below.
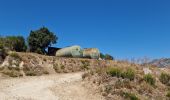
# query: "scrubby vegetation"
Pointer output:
{"type": "Point", "coordinates": [127, 81]}
{"type": "Point", "coordinates": [3, 53]}
{"type": "Point", "coordinates": [165, 78]}
{"type": "Point", "coordinates": [85, 64]}
{"type": "Point", "coordinates": [12, 73]}
{"type": "Point", "coordinates": [114, 72]}
{"type": "Point", "coordinates": [14, 55]}
{"type": "Point", "coordinates": [129, 96]}
{"type": "Point", "coordinates": [13, 43]}
{"type": "Point", "coordinates": [118, 72]}
{"type": "Point", "coordinates": [168, 94]}
{"type": "Point", "coordinates": [106, 56]}
{"type": "Point", "coordinates": [149, 79]}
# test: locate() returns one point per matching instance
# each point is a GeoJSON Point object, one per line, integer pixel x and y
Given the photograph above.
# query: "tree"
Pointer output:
{"type": "Point", "coordinates": [14, 43]}
{"type": "Point", "coordinates": [102, 56]}
{"type": "Point", "coordinates": [39, 40]}
{"type": "Point", "coordinates": [3, 53]}
{"type": "Point", "coordinates": [108, 57]}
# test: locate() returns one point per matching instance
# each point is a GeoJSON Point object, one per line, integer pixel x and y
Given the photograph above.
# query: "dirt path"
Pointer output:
{"type": "Point", "coordinates": [50, 87]}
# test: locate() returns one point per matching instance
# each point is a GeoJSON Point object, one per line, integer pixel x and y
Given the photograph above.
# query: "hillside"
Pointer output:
{"type": "Point", "coordinates": [104, 79]}
{"type": "Point", "coordinates": [164, 62]}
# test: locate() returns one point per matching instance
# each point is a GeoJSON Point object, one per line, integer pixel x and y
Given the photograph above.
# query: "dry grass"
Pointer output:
{"type": "Point", "coordinates": [129, 79]}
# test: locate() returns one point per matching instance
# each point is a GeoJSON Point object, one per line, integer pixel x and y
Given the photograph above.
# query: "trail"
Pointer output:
{"type": "Point", "coordinates": [50, 87]}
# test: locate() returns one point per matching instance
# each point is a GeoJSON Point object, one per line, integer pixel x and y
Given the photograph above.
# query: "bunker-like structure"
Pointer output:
{"type": "Point", "coordinates": [92, 53]}
{"type": "Point", "coordinates": [52, 51]}
{"type": "Point", "coordinates": [72, 51]}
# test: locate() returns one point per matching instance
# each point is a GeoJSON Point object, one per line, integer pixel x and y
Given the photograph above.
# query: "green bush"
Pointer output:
{"type": "Point", "coordinates": [114, 72]}
{"type": "Point", "coordinates": [165, 78]}
{"type": "Point", "coordinates": [149, 79]}
{"type": "Point", "coordinates": [108, 57]}
{"type": "Point", "coordinates": [129, 74]}
{"type": "Point", "coordinates": [30, 73]}
{"type": "Point", "coordinates": [14, 43]}
{"type": "Point", "coordinates": [3, 52]}
{"type": "Point", "coordinates": [15, 55]}
{"type": "Point", "coordinates": [168, 94]}
{"type": "Point", "coordinates": [130, 96]}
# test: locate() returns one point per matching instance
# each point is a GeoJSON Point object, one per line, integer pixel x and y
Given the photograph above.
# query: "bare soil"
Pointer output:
{"type": "Point", "coordinates": [48, 87]}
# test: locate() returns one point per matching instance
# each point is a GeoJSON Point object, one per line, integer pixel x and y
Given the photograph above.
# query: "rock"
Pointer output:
{"type": "Point", "coordinates": [147, 71]}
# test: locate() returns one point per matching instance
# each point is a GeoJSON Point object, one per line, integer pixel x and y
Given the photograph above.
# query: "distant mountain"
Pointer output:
{"type": "Point", "coordinates": [163, 62]}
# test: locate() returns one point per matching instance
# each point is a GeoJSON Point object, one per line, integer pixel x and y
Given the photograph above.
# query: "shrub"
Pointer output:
{"type": "Point", "coordinates": [62, 67]}
{"type": "Point", "coordinates": [149, 79]}
{"type": "Point", "coordinates": [108, 57]}
{"type": "Point", "coordinates": [12, 73]}
{"type": "Point", "coordinates": [56, 68]}
{"type": "Point", "coordinates": [15, 55]}
{"type": "Point", "coordinates": [165, 78]}
{"type": "Point", "coordinates": [30, 73]}
{"type": "Point", "coordinates": [129, 74]}
{"type": "Point", "coordinates": [14, 43]}
{"type": "Point", "coordinates": [3, 53]}
{"type": "Point", "coordinates": [85, 64]}
{"type": "Point", "coordinates": [114, 72]}
{"type": "Point", "coordinates": [108, 88]}
{"type": "Point", "coordinates": [168, 94]}
{"type": "Point", "coordinates": [46, 72]}
{"type": "Point", "coordinates": [130, 96]}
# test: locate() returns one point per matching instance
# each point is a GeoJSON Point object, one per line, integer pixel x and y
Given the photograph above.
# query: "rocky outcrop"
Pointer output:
{"type": "Point", "coordinates": [32, 64]}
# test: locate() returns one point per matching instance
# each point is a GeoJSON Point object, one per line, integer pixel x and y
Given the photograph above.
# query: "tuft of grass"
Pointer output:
{"type": "Point", "coordinates": [165, 78]}
{"type": "Point", "coordinates": [130, 96]}
{"type": "Point", "coordinates": [15, 55]}
{"type": "Point", "coordinates": [129, 74]}
{"type": "Point", "coordinates": [12, 73]}
{"type": "Point", "coordinates": [30, 73]}
{"type": "Point", "coordinates": [149, 79]}
{"type": "Point", "coordinates": [114, 72]}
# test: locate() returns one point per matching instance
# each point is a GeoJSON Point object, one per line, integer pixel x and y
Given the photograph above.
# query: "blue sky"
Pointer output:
{"type": "Point", "coordinates": [122, 28]}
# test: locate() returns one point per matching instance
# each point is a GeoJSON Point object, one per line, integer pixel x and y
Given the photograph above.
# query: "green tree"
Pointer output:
{"type": "Point", "coordinates": [108, 57]}
{"type": "Point", "coordinates": [39, 40]}
{"type": "Point", "coordinates": [14, 43]}
{"type": "Point", "coordinates": [102, 56]}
